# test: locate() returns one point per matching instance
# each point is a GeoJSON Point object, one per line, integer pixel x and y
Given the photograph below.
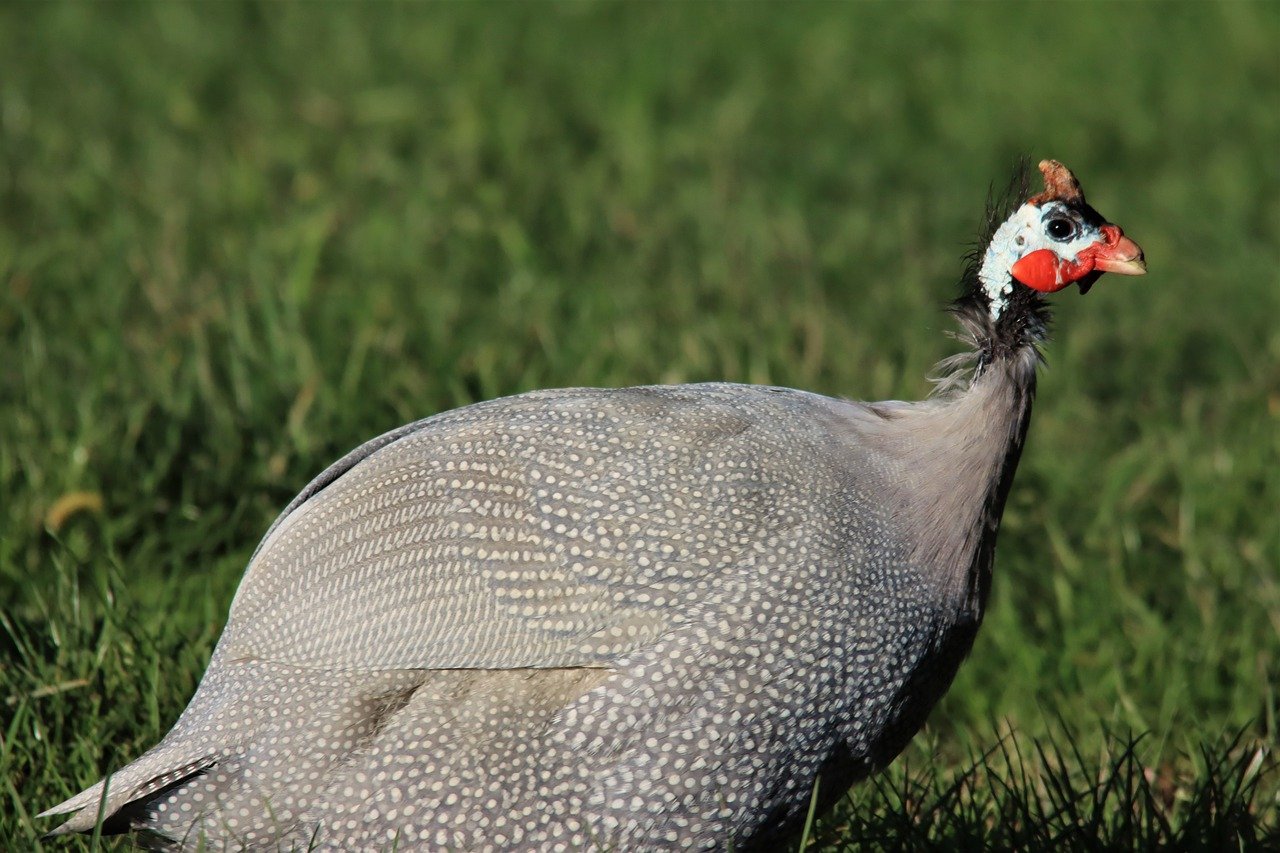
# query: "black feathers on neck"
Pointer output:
{"type": "Point", "coordinates": [1024, 322]}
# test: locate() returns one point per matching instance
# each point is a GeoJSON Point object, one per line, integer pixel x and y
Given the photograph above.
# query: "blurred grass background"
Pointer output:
{"type": "Point", "coordinates": [238, 239]}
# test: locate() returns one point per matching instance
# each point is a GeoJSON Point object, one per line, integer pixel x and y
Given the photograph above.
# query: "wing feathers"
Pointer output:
{"type": "Point", "coordinates": [554, 529]}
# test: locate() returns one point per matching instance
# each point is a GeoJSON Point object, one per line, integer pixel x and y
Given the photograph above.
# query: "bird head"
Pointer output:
{"type": "Point", "coordinates": [1055, 239]}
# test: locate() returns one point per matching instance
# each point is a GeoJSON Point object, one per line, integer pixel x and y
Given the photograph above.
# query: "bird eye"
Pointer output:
{"type": "Point", "coordinates": [1060, 229]}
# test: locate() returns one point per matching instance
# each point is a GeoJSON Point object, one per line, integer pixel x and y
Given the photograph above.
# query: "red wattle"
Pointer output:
{"type": "Point", "coordinates": [1038, 270]}
{"type": "Point", "coordinates": [1069, 271]}
{"type": "Point", "coordinates": [1044, 271]}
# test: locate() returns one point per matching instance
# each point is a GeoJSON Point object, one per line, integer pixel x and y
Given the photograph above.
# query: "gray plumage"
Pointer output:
{"type": "Point", "coordinates": [593, 619]}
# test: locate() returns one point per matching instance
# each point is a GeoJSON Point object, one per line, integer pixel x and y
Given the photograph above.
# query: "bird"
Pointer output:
{"type": "Point", "coordinates": [646, 618]}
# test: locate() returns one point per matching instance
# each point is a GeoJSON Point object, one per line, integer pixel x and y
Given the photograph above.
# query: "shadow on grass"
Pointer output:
{"type": "Point", "coordinates": [1031, 794]}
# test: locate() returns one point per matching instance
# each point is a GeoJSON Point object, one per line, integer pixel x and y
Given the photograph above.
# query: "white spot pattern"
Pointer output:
{"type": "Point", "coordinates": [567, 620]}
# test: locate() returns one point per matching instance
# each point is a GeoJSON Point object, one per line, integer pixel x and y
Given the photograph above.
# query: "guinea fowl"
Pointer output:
{"type": "Point", "coordinates": [643, 618]}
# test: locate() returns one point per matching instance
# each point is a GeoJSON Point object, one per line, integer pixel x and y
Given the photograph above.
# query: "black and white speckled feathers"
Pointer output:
{"type": "Point", "coordinates": [592, 619]}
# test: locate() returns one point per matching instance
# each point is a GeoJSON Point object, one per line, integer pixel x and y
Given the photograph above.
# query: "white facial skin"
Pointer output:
{"type": "Point", "coordinates": [1052, 225]}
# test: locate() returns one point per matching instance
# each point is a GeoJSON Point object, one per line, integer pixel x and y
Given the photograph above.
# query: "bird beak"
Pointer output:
{"type": "Point", "coordinates": [1119, 254]}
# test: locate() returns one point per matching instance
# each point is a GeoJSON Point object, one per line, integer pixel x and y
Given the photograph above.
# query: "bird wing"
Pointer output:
{"type": "Point", "coordinates": [550, 529]}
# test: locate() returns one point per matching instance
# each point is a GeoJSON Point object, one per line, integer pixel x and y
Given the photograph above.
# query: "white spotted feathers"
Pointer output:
{"type": "Point", "coordinates": [647, 618]}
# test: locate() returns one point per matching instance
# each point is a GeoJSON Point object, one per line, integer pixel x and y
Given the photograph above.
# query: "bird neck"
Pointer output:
{"type": "Point", "coordinates": [964, 446]}
{"type": "Point", "coordinates": [1005, 390]}
{"type": "Point", "coordinates": [1002, 325]}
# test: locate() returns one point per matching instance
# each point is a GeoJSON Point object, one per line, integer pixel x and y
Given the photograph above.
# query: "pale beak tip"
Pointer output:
{"type": "Point", "coordinates": [1124, 258]}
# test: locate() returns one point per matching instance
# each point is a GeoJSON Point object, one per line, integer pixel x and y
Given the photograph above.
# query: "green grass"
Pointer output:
{"type": "Point", "coordinates": [237, 240]}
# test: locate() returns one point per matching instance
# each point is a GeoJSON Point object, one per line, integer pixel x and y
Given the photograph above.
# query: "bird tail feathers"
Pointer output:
{"type": "Point", "coordinates": [154, 770]}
